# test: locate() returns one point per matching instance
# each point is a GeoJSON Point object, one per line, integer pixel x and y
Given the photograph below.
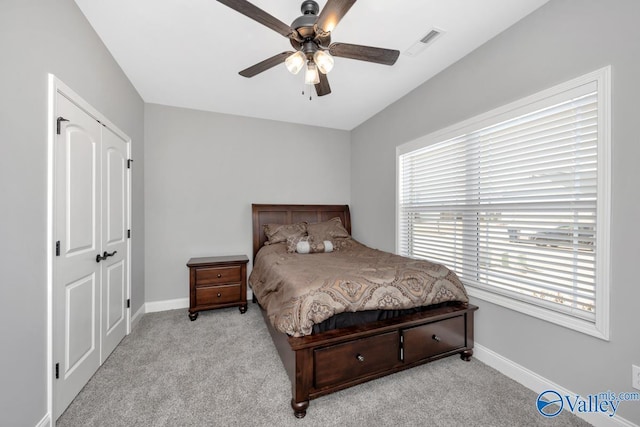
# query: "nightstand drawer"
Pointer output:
{"type": "Point", "coordinates": [213, 275]}
{"type": "Point", "coordinates": [218, 294]}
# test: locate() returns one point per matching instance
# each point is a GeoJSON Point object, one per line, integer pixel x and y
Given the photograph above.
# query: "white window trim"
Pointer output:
{"type": "Point", "coordinates": [602, 77]}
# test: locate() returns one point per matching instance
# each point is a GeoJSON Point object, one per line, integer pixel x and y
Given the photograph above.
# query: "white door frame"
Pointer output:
{"type": "Point", "coordinates": [57, 87]}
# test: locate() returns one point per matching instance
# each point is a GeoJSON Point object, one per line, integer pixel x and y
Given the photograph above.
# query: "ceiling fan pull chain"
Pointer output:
{"type": "Point", "coordinates": [310, 92]}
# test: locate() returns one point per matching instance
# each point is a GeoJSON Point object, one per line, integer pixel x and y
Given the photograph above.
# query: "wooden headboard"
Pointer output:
{"type": "Point", "coordinates": [290, 214]}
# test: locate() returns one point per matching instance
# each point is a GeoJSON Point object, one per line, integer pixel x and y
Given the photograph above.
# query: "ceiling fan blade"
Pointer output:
{"type": "Point", "coordinates": [332, 13]}
{"type": "Point", "coordinates": [259, 15]}
{"type": "Point", "coordinates": [364, 53]}
{"type": "Point", "coordinates": [323, 87]}
{"type": "Point", "coordinates": [265, 65]}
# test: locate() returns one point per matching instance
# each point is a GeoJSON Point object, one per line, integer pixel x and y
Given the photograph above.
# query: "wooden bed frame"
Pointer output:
{"type": "Point", "coordinates": [323, 363]}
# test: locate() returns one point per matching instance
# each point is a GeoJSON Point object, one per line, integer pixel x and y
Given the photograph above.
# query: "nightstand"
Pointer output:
{"type": "Point", "coordinates": [217, 282]}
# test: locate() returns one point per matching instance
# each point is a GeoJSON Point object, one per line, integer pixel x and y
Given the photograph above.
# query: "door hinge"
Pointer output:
{"type": "Point", "coordinates": [58, 248]}
{"type": "Point", "coordinates": [57, 370]}
{"type": "Point", "coordinates": [129, 233]}
{"type": "Point", "coordinates": [58, 120]}
{"type": "Point", "coordinates": [129, 303]}
{"type": "Point", "coordinates": [129, 161]}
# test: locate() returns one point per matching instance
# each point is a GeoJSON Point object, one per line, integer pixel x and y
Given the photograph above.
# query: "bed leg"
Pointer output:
{"type": "Point", "coordinates": [299, 408]}
{"type": "Point", "coordinates": [468, 319]}
{"type": "Point", "coordinates": [301, 381]}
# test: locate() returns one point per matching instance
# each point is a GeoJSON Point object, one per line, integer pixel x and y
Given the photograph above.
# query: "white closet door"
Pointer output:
{"type": "Point", "coordinates": [76, 272]}
{"type": "Point", "coordinates": [91, 271]}
{"type": "Point", "coordinates": [114, 241]}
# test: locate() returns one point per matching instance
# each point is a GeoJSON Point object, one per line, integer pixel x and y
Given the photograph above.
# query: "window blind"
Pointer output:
{"type": "Point", "coordinates": [512, 207]}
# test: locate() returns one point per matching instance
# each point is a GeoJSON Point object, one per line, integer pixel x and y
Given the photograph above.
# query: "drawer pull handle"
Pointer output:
{"type": "Point", "coordinates": [219, 294]}
{"type": "Point", "coordinates": [436, 338]}
{"type": "Point", "coordinates": [219, 275]}
{"type": "Point", "coordinates": [360, 358]}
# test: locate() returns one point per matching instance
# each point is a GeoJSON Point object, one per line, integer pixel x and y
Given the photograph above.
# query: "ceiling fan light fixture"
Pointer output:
{"type": "Point", "coordinates": [311, 76]}
{"type": "Point", "coordinates": [324, 60]}
{"type": "Point", "coordinates": [295, 62]}
{"type": "Point", "coordinates": [310, 37]}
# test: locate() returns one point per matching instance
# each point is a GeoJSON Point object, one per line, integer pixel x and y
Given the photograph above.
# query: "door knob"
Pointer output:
{"type": "Point", "coordinates": [105, 255]}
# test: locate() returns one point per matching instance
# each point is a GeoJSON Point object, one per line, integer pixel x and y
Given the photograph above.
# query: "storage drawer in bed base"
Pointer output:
{"type": "Point", "coordinates": [338, 363]}
{"type": "Point", "coordinates": [330, 361]}
{"type": "Point", "coordinates": [432, 339]}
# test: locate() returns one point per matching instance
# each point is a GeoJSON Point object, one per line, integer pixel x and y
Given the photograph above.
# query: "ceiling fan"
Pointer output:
{"type": "Point", "coordinates": [310, 36]}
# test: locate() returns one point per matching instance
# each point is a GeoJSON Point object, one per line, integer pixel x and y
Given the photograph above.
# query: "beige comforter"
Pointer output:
{"type": "Point", "coordinates": [298, 291]}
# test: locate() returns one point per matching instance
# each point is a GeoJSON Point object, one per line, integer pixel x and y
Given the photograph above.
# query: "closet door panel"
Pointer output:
{"type": "Point", "coordinates": [76, 284]}
{"type": "Point", "coordinates": [114, 240]}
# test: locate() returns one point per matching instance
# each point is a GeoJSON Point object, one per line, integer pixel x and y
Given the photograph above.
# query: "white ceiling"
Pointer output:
{"type": "Point", "coordinates": [188, 53]}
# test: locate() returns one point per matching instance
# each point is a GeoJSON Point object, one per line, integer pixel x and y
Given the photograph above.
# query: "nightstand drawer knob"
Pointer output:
{"type": "Point", "coordinates": [219, 275]}
{"type": "Point", "coordinates": [436, 338]}
{"type": "Point", "coordinates": [219, 294]}
{"type": "Point", "coordinates": [360, 358]}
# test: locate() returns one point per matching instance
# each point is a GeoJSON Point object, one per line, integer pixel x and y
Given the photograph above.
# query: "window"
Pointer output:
{"type": "Point", "coordinates": [516, 201]}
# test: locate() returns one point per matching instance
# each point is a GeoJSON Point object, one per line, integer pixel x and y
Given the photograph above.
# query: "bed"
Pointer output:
{"type": "Point", "coordinates": [322, 361]}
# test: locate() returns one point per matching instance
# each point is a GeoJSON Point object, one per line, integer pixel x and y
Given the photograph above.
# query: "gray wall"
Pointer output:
{"type": "Point", "coordinates": [562, 40]}
{"type": "Point", "coordinates": [203, 171]}
{"type": "Point", "coordinates": [36, 38]}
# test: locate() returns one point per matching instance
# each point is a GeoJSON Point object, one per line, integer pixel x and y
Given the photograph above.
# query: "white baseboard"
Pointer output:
{"type": "Point", "coordinates": [45, 421]}
{"type": "Point", "coordinates": [135, 319]}
{"type": "Point", "coordinates": [155, 306]}
{"type": "Point", "coordinates": [538, 384]}
{"type": "Point", "coordinates": [172, 304]}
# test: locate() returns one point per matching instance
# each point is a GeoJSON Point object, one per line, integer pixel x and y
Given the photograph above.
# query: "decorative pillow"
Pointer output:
{"type": "Point", "coordinates": [292, 242]}
{"type": "Point", "coordinates": [327, 230]}
{"type": "Point", "coordinates": [277, 233]}
{"type": "Point", "coordinates": [340, 244]}
{"type": "Point", "coordinates": [308, 246]}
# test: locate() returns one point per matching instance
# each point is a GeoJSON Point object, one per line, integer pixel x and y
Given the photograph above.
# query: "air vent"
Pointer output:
{"type": "Point", "coordinates": [431, 35]}
{"type": "Point", "coordinates": [421, 44]}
